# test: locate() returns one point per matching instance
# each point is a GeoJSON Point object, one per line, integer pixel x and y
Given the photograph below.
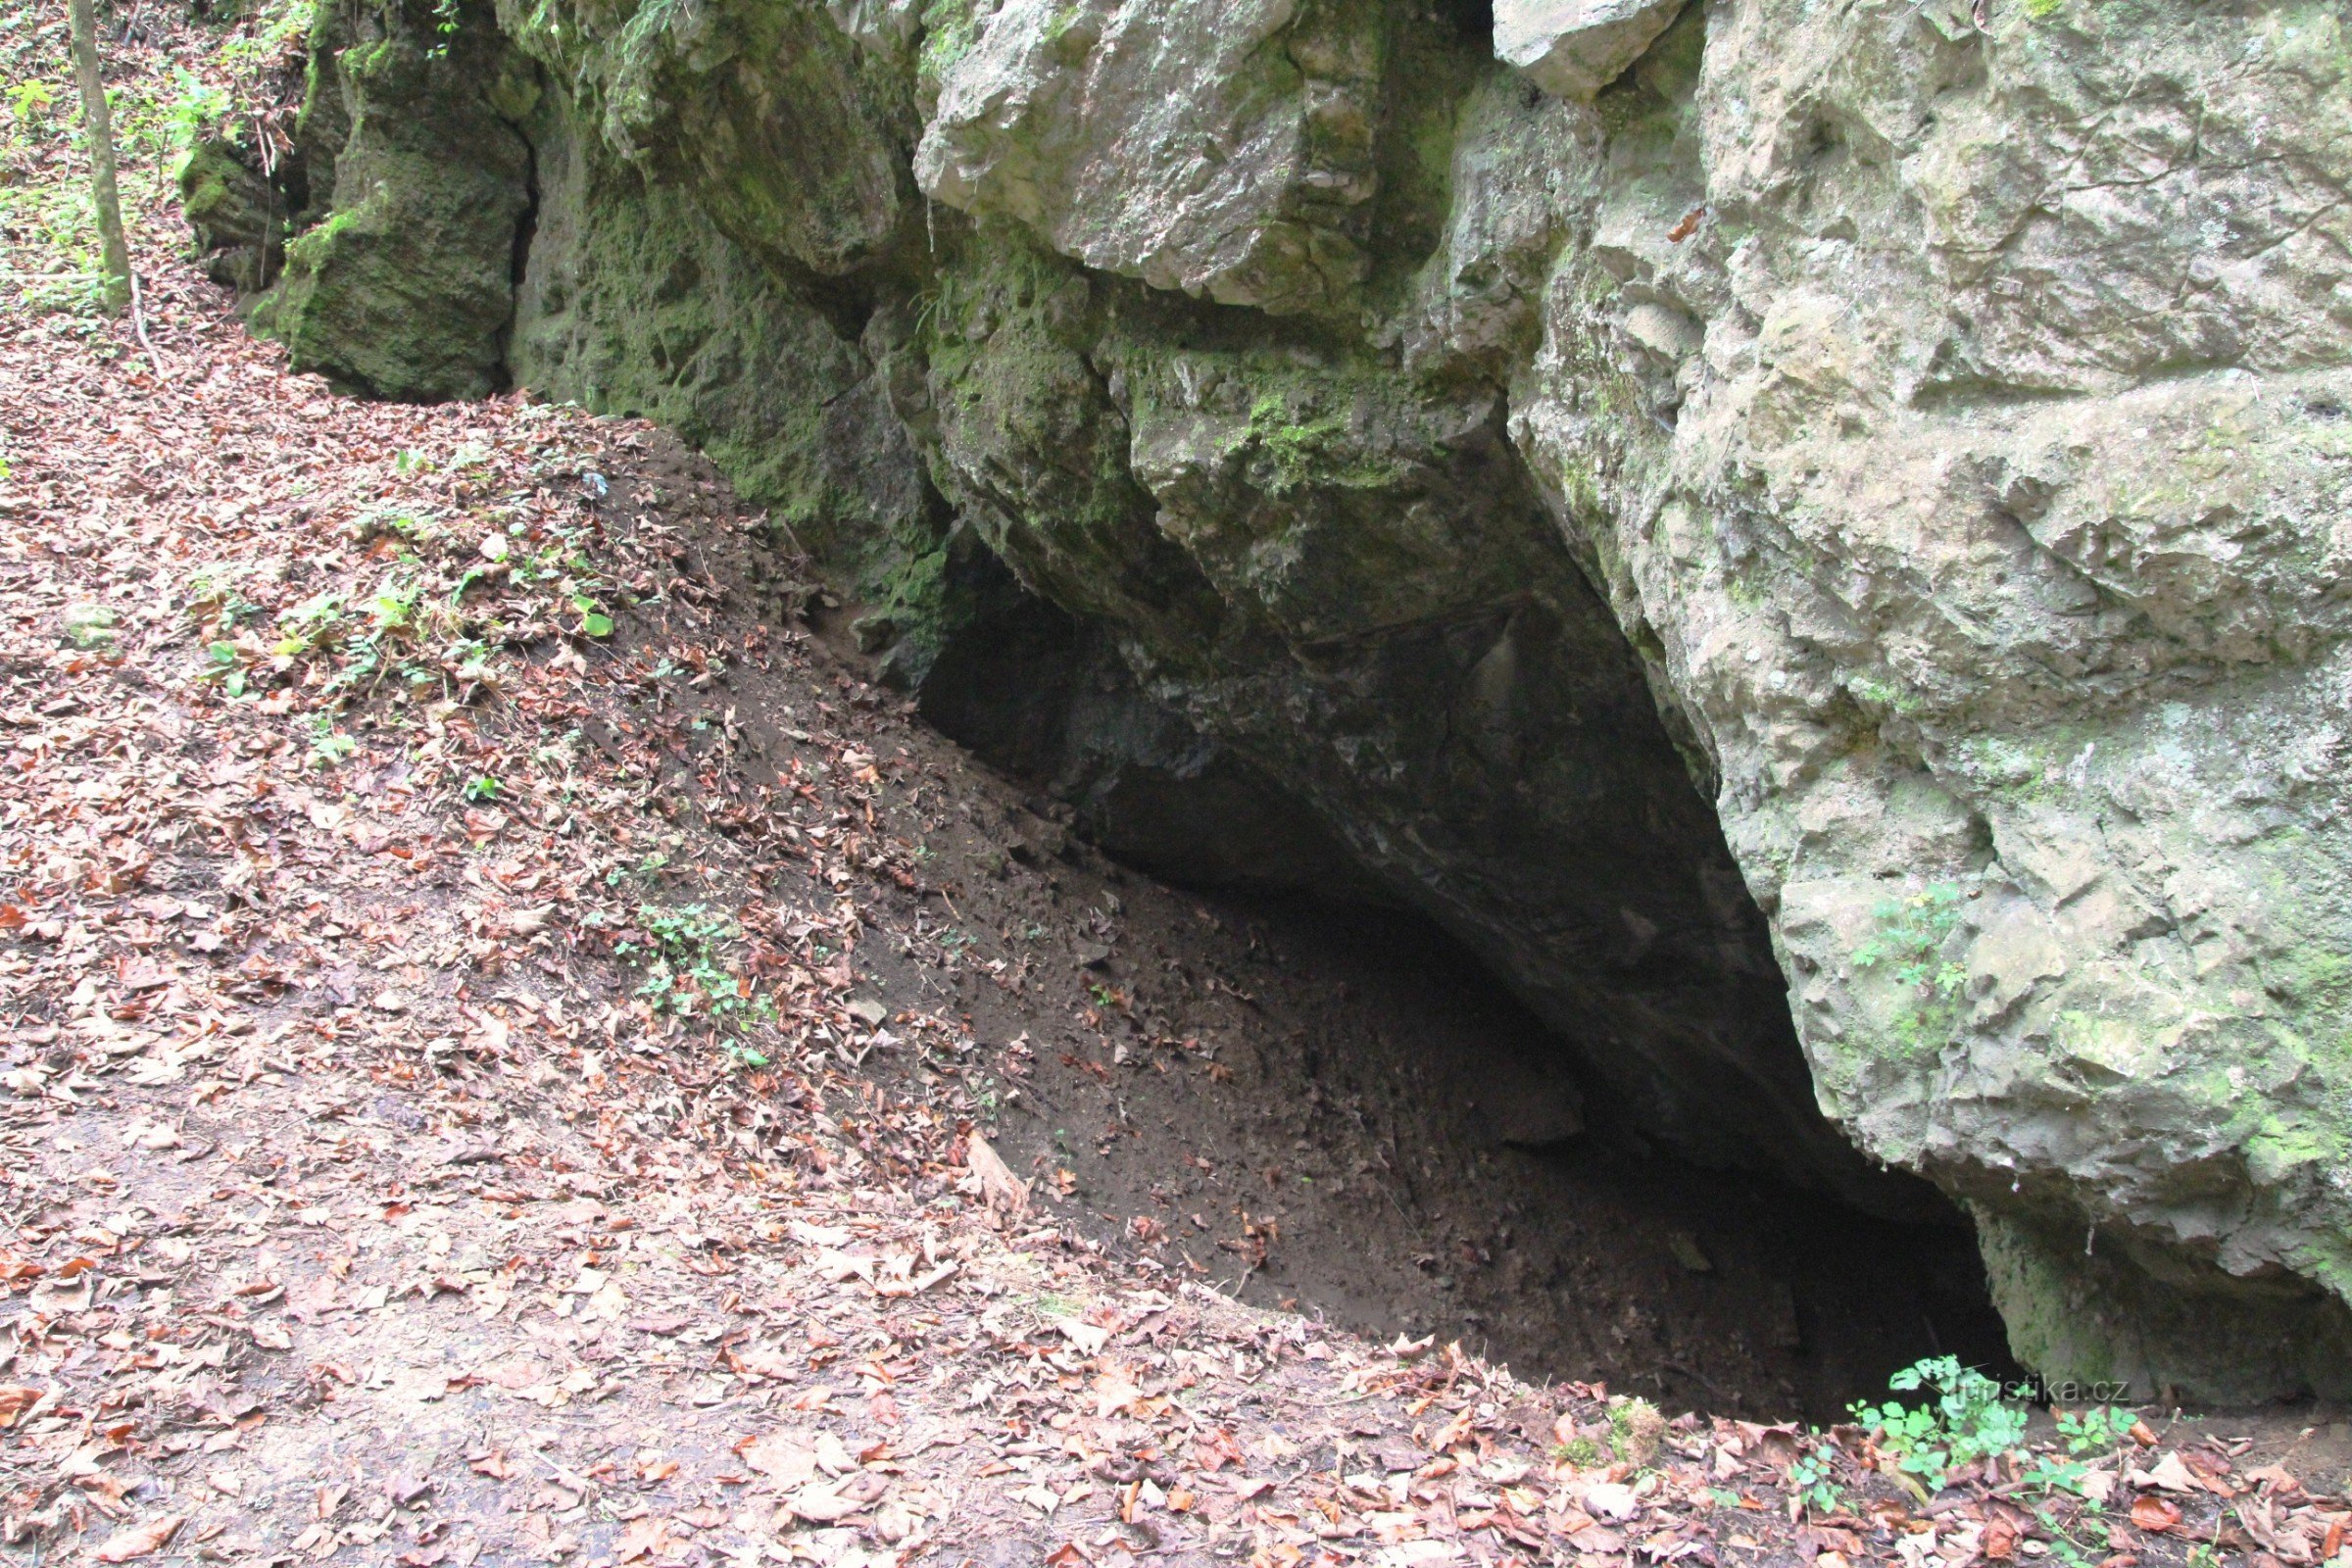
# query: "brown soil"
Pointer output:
{"type": "Point", "coordinates": [1290, 1093]}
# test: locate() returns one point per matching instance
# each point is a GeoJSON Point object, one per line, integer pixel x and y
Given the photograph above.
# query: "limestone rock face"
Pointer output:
{"type": "Point", "coordinates": [1987, 519]}
{"type": "Point", "coordinates": [408, 289]}
{"type": "Point", "coordinates": [1220, 147]}
{"type": "Point", "coordinates": [1574, 48]}
{"type": "Point", "coordinates": [764, 113]}
{"type": "Point", "coordinates": [1812, 538]}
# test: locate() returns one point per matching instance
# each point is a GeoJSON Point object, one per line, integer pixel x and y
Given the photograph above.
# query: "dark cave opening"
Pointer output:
{"type": "Point", "coordinates": [1473, 19]}
{"type": "Point", "coordinates": [1447, 1162]}
{"type": "Point", "coordinates": [1599, 1257]}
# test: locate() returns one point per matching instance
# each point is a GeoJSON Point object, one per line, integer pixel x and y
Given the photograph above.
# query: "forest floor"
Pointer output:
{"type": "Point", "coordinates": [513, 1051]}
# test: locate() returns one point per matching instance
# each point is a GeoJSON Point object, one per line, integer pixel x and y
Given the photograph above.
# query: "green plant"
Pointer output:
{"type": "Point", "coordinates": [392, 608]}
{"type": "Point", "coordinates": [1910, 940]}
{"type": "Point", "coordinates": [1966, 1419]}
{"type": "Point", "coordinates": [2094, 1431]}
{"type": "Point", "coordinates": [197, 105]}
{"type": "Point", "coordinates": [1582, 1452]}
{"type": "Point", "coordinates": [1637, 1430]}
{"type": "Point", "coordinates": [308, 624]}
{"type": "Point", "coordinates": [29, 98]}
{"type": "Point", "coordinates": [1812, 1483]}
{"type": "Point", "coordinates": [90, 626]}
{"type": "Point", "coordinates": [484, 787]}
{"type": "Point", "coordinates": [593, 622]}
{"type": "Point", "coordinates": [686, 973]}
{"type": "Point", "coordinates": [278, 28]}
{"type": "Point", "coordinates": [327, 747]}
{"type": "Point", "coordinates": [223, 665]}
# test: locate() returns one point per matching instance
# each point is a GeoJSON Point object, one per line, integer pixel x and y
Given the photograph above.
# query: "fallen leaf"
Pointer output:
{"type": "Point", "coordinates": [785, 1460]}
{"type": "Point", "coordinates": [1611, 1499]}
{"type": "Point", "coordinates": [822, 1505]}
{"type": "Point", "coordinates": [645, 1535]}
{"type": "Point", "coordinates": [140, 1539]}
{"type": "Point", "coordinates": [1088, 1338]}
{"type": "Point", "coordinates": [14, 1400]}
{"type": "Point", "coordinates": [999, 1187]}
{"type": "Point", "coordinates": [2155, 1514]}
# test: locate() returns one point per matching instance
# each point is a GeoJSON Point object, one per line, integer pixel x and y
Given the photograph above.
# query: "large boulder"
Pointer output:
{"type": "Point", "coordinates": [1224, 149]}
{"type": "Point", "coordinates": [1956, 399]}
{"type": "Point", "coordinates": [405, 289]}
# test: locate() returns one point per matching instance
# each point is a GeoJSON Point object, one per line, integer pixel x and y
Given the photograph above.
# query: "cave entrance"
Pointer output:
{"type": "Point", "coordinates": [1388, 1089]}
{"type": "Point", "coordinates": [1399, 1143]}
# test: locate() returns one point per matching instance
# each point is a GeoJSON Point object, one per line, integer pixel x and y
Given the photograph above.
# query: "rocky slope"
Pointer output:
{"type": "Point", "coordinates": [1807, 536]}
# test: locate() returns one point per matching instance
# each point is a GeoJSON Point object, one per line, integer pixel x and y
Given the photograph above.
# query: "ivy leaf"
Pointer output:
{"type": "Point", "coordinates": [596, 624]}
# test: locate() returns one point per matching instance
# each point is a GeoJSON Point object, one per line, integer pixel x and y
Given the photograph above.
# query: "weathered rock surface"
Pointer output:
{"type": "Point", "coordinates": [1222, 149]}
{"type": "Point", "coordinates": [407, 289]}
{"type": "Point", "coordinates": [1811, 538]}
{"type": "Point", "coordinates": [1575, 47]}
{"type": "Point", "coordinates": [236, 213]}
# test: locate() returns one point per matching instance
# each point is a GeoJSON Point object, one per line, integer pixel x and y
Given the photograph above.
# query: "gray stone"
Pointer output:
{"type": "Point", "coordinates": [1574, 48]}
{"type": "Point", "coordinates": [1215, 147]}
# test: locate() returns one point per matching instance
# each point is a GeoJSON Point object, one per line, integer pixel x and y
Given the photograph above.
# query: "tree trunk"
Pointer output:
{"type": "Point", "coordinates": [114, 250]}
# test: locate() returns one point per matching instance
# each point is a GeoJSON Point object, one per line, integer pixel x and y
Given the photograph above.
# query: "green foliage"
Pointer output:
{"type": "Point", "coordinates": [49, 246]}
{"type": "Point", "coordinates": [274, 35]}
{"type": "Point", "coordinates": [1582, 1452]}
{"type": "Point", "coordinates": [682, 952]}
{"type": "Point", "coordinates": [30, 99]}
{"type": "Point", "coordinates": [1812, 1483]}
{"type": "Point", "coordinates": [593, 622]}
{"type": "Point", "coordinates": [484, 787]}
{"type": "Point", "coordinates": [1635, 1430]}
{"type": "Point", "coordinates": [1966, 1419]}
{"type": "Point", "coordinates": [196, 108]}
{"type": "Point", "coordinates": [327, 747]}
{"type": "Point", "coordinates": [224, 669]}
{"type": "Point", "coordinates": [308, 624]}
{"type": "Point", "coordinates": [2095, 1431]}
{"type": "Point", "coordinates": [90, 626]}
{"type": "Point", "coordinates": [1910, 940]}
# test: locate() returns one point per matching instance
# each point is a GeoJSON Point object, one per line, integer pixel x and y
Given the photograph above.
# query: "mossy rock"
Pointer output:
{"type": "Point", "coordinates": [237, 218]}
{"type": "Point", "coordinates": [407, 291]}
